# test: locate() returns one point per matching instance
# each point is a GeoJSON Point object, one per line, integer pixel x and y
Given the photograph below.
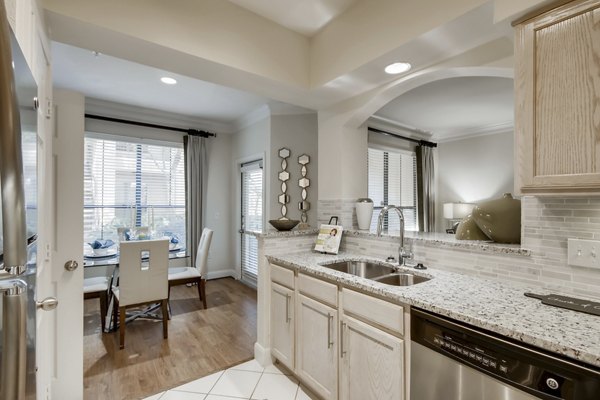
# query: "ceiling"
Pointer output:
{"type": "Point", "coordinates": [130, 70]}
{"type": "Point", "coordinates": [306, 17]}
{"type": "Point", "coordinates": [454, 108]}
{"type": "Point", "coordinates": [117, 80]}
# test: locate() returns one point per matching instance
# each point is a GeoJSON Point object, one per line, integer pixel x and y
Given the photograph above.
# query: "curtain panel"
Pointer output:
{"type": "Point", "coordinates": [426, 188]}
{"type": "Point", "coordinates": [196, 170]}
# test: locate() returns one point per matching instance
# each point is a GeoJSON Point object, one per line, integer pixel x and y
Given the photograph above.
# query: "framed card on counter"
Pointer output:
{"type": "Point", "coordinates": [329, 239]}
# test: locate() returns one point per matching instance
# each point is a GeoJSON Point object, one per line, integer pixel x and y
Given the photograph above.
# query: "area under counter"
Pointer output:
{"type": "Point", "coordinates": [496, 306]}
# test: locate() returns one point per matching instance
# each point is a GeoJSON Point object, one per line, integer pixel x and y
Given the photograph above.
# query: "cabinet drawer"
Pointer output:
{"type": "Point", "coordinates": [283, 276]}
{"type": "Point", "coordinates": [318, 289]}
{"type": "Point", "coordinates": [380, 312]}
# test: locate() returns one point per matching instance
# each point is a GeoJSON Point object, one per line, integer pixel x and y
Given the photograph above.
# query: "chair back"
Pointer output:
{"type": "Point", "coordinates": [144, 279]}
{"type": "Point", "coordinates": [202, 254]}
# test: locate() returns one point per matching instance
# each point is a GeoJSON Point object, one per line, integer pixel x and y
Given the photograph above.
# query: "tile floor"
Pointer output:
{"type": "Point", "coordinates": [244, 381]}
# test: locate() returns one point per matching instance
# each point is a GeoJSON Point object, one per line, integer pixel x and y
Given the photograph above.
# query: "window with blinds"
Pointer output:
{"type": "Point", "coordinates": [392, 179]}
{"type": "Point", "coordinates": [252, 218]}
{"type": "Point", "coordinates": [133, 184]}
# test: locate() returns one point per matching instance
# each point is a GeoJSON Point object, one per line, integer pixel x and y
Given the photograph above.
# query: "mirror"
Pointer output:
{"type": "Point", "coordinates": [284, 153]}
{"type": "Point", "coordinates": [471, 119]}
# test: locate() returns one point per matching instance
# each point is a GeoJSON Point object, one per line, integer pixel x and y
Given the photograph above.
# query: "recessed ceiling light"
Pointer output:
{"type": "Point", "coordinates": [397, 68]}
{"type": "Point", "coordinates": [167, 80]}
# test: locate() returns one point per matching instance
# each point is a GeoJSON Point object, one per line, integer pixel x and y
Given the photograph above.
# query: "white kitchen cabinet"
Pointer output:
{"type": "Point", "coordinates": [282, 324]}
{"type": "Point", "coordinates": [317, 347]}
{"type": "Point", "coordinates": [371, 365]}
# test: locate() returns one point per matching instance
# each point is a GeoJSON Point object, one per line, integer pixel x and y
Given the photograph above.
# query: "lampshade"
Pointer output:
{"type": "Point", "coordinates": [457, 210]}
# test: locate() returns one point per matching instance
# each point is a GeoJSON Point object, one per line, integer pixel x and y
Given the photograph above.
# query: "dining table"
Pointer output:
{"type": "Point", "coordinates": [111, 259]}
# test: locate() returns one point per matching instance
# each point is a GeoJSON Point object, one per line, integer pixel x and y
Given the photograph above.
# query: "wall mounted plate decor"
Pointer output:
{"type": "Point", "coordinates": [284, 176]}
{"type": "Point", "coordinates": [304, 183]}
{"type": "Point", "coordinates": [284, 223]}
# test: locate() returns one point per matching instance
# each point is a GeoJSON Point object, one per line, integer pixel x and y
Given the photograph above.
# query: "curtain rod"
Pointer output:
{"type": "Point", "coordinates": [191, 132]}
{"type": "Point", "coordinates": [418, 141]}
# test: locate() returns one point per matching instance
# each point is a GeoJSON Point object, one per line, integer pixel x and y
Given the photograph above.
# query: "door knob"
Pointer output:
{"type": "Point", "coordinates": [48, 304]}
{"type": "Point", "coordinates": [71, 265]}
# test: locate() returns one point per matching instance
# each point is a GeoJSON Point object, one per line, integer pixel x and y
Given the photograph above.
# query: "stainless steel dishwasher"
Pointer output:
{"type": "Point", "coordinates": [454, 361]}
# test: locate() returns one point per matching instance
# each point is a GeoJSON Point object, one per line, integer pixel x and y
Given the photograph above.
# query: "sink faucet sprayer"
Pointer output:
{"type": "Point", "coordinates": [403, 255]}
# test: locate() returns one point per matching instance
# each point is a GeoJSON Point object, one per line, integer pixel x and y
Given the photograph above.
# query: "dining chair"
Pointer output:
{"type": "Point", "coordinates": [197, 273]}
{"type": "Point", "coordinates": [143, 279]}
{"type": "Point", "coordinates": [97, 288]}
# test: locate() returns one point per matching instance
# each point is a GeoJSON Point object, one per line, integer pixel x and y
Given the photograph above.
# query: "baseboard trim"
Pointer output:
{"type": "Point", "coordinates": [262, 355]}
{"type": "Point", "coordinates": [222, 273]}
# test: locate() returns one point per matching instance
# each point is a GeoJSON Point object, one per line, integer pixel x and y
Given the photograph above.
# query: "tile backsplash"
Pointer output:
{"type": "Point", "coordinates": [547, 223]}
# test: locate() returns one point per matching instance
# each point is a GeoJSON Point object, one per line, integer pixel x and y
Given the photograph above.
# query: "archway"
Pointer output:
{"type": "Point", "coordinates": [403, 85]}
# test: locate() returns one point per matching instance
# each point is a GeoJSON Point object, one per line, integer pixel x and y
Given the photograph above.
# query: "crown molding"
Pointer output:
{"type": "Point", "coordinates": [127, 111]}
{"type": "Point", "coordinates": [485, 130]}
{"type": "Point", "coordinates": [393, 126]}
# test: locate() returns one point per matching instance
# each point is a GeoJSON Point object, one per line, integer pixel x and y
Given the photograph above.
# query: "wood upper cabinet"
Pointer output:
{"type": "Point", "coordinates": [317, 344]}
{"type": "Point", "coordinates": [557, 117]}
{"type": "Point", "coordinates": [282, 324]}
{"type": "Point", "coordinates": [372, 363]}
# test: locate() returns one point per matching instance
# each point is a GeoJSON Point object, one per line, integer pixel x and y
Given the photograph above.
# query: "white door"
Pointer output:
{"type": "Point", "coordinates": [371, 363]}
{"type": "Point", "coordinates": [251, 219]}
{"type": "Point", "coordinates": [67, 380]}
{"type": "Point", "coordinates": [316, 356]}
{"type": "Point", "coordinates": [282, 324]}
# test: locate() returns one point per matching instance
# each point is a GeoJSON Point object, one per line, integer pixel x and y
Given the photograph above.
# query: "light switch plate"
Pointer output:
{"type": "Point", "coordinates": [583, 253]}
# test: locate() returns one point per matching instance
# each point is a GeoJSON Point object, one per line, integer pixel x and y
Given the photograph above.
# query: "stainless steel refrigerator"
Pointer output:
{"type": "Point", "coordinates": [18, 181]}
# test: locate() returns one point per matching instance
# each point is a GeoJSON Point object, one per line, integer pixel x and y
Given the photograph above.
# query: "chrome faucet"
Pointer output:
{"type": "Point", "coordinates": [403, 255]}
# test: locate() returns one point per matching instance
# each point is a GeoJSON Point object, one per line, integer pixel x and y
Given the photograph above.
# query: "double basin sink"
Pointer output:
{"type": "Point", "coordinates": [382, 273]}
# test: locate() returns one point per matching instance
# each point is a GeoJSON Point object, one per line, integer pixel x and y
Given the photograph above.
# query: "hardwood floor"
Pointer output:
{"type": "Point", "coordinates": [200, 342]}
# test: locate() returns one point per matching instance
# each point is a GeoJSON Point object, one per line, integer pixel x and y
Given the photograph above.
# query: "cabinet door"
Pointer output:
{"type": "Point", "coordinates": [557, 83]}
{"type": "Point", "coordinates": [282, 324]}
{"type": "Point", "coordinates": [372, 363]}
{"type": "Point", "coordinates": [316, 358]}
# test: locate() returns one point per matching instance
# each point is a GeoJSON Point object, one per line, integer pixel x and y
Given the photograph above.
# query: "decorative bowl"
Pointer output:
{"type": "Point", "coordinates": [500, 219]}
{"type": "Point", "coordinates": [284, 224]}
{"type": "Point", "coordinates": [468, 230]}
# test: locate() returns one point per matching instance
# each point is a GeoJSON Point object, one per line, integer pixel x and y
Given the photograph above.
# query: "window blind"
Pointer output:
{"type": "Point", "coordinates": [392, 179]}
{"type": "Point", "coordinates": [129, 184]}
{"type": "Point", "coordinates": [252, 219]}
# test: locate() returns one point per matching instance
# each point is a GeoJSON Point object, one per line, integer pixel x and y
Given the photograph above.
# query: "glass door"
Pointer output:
{"type": "Point", "coordinates": [251, 218]}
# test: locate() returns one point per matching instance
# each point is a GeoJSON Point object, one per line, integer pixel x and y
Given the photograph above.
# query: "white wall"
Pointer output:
{"type": "Point", "coordinates": [251, 140]}
{"type": "Point", "coordinates": [218, 206]}
{"type": "Point", "coordinates": [299, 133]}
{"type": "Point", "coordinates": [473, 169]}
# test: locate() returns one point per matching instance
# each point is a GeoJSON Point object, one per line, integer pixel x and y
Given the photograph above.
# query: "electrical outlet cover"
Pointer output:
{"type": "Point", "coordinates": [583, 253]}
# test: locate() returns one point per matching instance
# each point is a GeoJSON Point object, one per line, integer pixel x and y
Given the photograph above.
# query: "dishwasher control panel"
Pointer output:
{"type": "Point", "coordinates": [471, 353]}
{"type": "Point", "coordinates": [521, 366]}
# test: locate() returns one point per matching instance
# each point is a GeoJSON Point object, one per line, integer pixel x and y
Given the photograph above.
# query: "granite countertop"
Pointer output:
{"type": "Point", "coordinates": [496, 306]}
{"type": "Point", "coordinates": [442, 240]}
{"type": "Point", "coordinates": [445, 240]}
{"type": "Point", "coordinates": [272, 233]}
